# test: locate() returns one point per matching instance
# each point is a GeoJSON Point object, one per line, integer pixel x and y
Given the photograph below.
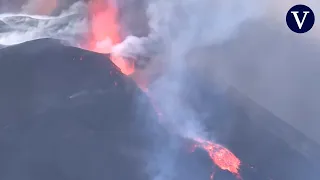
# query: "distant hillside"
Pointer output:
{"type": "Point", "coordinates": [275, 67]}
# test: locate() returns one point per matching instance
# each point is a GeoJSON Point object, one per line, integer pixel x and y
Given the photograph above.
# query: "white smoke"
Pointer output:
{"type": "Point", "coordinates": [71, 25]}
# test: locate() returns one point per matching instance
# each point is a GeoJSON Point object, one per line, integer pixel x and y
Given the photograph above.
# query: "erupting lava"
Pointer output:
{"type": "Point", "coordinates": [220, 156]}
{"type": "Point", "coordinates": [105, 34]}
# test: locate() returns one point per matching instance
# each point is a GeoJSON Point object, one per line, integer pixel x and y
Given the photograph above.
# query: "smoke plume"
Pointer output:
{"type": "Point", "coordinates": [189, 24]}
{"type": "Point", "coordinates": [244, 43]}
{"type": "Point", "coordinates": [247, 44]}
{"type": "Point", "coordinates": [184, 26]}
{"type": "Point", "coordinates": [177, 27]}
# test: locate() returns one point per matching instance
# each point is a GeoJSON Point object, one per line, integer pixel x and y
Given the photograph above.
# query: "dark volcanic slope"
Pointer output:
{"type": "Point", "coordinates": [68, 114]}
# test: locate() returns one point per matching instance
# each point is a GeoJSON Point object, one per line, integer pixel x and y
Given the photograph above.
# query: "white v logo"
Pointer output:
{"type": "Point", "coordinates": [296, 17]}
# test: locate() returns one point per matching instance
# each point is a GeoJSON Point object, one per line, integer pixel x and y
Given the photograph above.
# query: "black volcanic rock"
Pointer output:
{"type": "Point", "coordinates": [67, 113]}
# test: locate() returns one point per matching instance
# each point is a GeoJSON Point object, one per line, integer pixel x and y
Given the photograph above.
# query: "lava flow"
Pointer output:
{"type": "Point", "coordinates": [105, 34]}
{"type": "Point", "coordinates": [220, 156]}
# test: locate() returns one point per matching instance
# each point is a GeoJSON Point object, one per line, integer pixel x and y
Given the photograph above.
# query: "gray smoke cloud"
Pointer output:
{"type": "Point", "coordinates": [177, 27]}
{"type": "Point", "coordinates": [190, 25]}
{"type": "Point", "coordinates": [184, 26]}
{"type": "Point", "coordinates": [245, 44]}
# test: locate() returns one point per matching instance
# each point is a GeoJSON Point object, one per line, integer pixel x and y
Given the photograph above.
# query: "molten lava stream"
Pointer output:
{"type": "Point", "coordinates": [220, 156]}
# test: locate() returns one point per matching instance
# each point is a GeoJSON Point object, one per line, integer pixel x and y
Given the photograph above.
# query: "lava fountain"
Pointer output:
{"type": "Point", "coordinates": [105, 34]}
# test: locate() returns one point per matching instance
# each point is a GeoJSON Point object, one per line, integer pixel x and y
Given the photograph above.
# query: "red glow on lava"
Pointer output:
{"type": "Point", "coordinates": [221, 156]}
{"type": "Point", "coordinates": [105, 34]}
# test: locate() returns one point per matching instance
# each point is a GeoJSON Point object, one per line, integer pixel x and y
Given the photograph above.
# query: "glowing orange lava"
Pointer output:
{"type": "Point", "coordinates": [221, 156]}
{"type": "Point", "coordinates": [105, 32]}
